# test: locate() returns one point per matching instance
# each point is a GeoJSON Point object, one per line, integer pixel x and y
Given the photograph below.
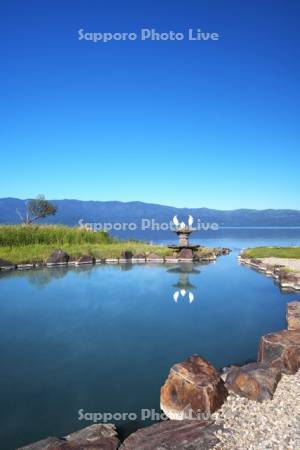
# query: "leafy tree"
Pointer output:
{"type": "Point", "coordinates": [37, 208]}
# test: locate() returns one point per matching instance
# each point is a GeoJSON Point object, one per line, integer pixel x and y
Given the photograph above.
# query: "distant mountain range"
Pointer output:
{"type": "Point", "coordinates": [71, 211]}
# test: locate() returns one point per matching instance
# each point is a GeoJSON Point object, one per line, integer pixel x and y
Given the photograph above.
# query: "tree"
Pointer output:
{"type": "Point", "coordinates": [37, 208]}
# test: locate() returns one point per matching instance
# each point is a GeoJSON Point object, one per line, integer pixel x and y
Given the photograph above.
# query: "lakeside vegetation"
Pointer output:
{"type": "Point", "coordinates": [272, 252]}
{"type": "Point", "coordinates": [32, 244]}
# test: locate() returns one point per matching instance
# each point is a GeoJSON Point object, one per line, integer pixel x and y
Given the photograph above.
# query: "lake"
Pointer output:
{"type": "Point", "coordinates": [103, 338]}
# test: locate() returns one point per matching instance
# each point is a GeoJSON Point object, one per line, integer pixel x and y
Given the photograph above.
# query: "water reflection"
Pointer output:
{"type": "Point", "coordinates": [183, 287]}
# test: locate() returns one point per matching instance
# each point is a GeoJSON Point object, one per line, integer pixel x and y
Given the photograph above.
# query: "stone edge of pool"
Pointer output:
{"type": "Point", "coordinates": [60, 258]}
{"type": "Point", "coordinates": [287, 279]}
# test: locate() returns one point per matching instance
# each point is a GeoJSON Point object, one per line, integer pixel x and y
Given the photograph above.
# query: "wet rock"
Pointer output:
{"type": "Point", "coordinates": [281, 349]}
{"type": "Point", "coordinates": [173, 435]}
{"type": "Point", "coordinates": [255, 381]}
{"type": "Point", "coordinates": [86, 259]}
{"type": "Point", "coordinates": [293, 315]}
{"type": "Point", "coordinates": [193, 386]}
{"type": "Point", "coordinates": [95, 437]}
{"type": "Point", "coordinates": [58, 257]}
{"type": "Point", "coordinates": [186, 253]}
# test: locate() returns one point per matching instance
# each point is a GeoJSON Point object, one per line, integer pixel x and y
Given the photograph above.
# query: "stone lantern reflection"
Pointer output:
{"type": "Point", "coordinates": [183, 287]}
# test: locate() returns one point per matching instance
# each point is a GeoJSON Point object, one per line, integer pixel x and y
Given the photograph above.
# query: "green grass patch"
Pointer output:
{"type": "Point", "coordinates": [272, 252]}
{"type": "Point", "coordinates": [30, 244]}
{"type": "Point", "coordinates": [19, 236]}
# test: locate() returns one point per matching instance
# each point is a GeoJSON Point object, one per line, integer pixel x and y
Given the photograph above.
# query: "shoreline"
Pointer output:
{"type": "Point", "coordinates": [284, 271]}
{"type": "Point", "coordinates": [64, 260]}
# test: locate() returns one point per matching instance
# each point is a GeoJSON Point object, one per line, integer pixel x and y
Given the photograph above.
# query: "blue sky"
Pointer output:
{"type": "Point", "coordinates": [183, 123]}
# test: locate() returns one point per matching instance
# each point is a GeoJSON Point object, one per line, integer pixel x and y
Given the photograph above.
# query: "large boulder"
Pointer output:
{"type": "Point", "coordinates": [58, 257]}
{"type": "Point", "coordinates": [193, 386]}
{"type": "Point", "coordinates": [256, 381]}
{"type": "Point", "coordinates": [293, 315]}
{"type": "Point", "coordinates": [281, 349]}
{"type": "Point", "coordinates": [94, 437]}
{"type": "Point", "coordinates": [173, 435]}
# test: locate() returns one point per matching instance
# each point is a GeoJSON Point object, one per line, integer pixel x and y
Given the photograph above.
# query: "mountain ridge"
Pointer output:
{"type": "Point", "coordinates": [70, 211]}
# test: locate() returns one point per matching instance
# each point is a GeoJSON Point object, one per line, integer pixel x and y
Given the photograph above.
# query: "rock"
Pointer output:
{"type": "Point", "coordinates": [86, 259]}
{"type": "Point", "coordinates": [97, 436]}
{"type": "Point", "coordinates": [193, 386]}
{"type": "Point", "coordinates": [94, 437]}
{"type": "Point", "coordinates": [255, 381]}
{"type": "Point", "coordinates": [293, 315]}
{"type": "Point", "coordinates": [111, 260]}
{"type": "Point", "coordinates": [58, 257]}
{"type": "Point", "coordinates": [287, 276]}
{"type": "Point", "coordinates": [139, 256]}
{"type": "Point", "coordinates": [186, 253]}
{"type": "Point", "coordinates": [255, 262]}
{"type": "Point", "coordinates": [154, 257]}
{"type": "Point", "coordinates": [51, 443]}
{"type": "Point", "coordinates": [226, 251]}
{"type": "Point", "coordinates": [126, 255]}
{"type": "Point", "coordinates": [288, 280]}
{"type": "Point", "coordinates": [6, 265]}
{"type": "Point", "coordinates": [281, 349]}
{"type": "Point", "coordinates": [173, 435]}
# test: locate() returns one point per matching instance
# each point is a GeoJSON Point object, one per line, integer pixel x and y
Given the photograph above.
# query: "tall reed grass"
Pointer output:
{"type": "Point", "coordinates": [17, 235]}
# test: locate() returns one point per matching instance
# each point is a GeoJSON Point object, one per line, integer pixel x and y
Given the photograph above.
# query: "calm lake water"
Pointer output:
{"type": "Point", "coordinates": [103, 338]}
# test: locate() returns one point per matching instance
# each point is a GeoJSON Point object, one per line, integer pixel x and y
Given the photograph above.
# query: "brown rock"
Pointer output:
{"type": "Point", "coordinates": [193, 386]}
{"type": "Point", "coordinates": [281, 349]}
{"type": "Point", "coordinates": [98, 436]}
{"type": "Point", "coordinates": [226, 251]}
{"type": "Point", "coordinates": [154, 256]}
{"type": "Point", "coordinates": [289, 280]}
{"type": "Point", "coordinates": [51, 443]}
{"type": "Point", "coordinates": [293, 315]}
{"type": "Point", "coordinates": [255, 381]}
{"type": "Point", "coordinates": [95, 437]}
{"type": "Point", "coordinates": [173, 435]}
{"type": "Point", "coordinates": [255, 261]}
{"type": "Point", "coordinates": [86, 259]}
{"type": "Point", "coordinates": [186, 253]}
{"type": "Point", "coordinates": [58, 257]}
{"type": "Point", "coordinates": [139, 256]}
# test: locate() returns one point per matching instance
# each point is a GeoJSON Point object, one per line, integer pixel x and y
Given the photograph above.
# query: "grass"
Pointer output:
{"type": "Point", "coordinates": [32, 244]}
{"type": "Point", "coordinates": [19, 236]}
{"type": "Point", "coordinates": [275, 252]}
{"type": "Point", "coordinates": [29, 244]}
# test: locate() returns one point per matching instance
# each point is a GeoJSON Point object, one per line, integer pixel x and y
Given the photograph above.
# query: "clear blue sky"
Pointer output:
{"type": "Point", "coordinates": [183, 123]}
